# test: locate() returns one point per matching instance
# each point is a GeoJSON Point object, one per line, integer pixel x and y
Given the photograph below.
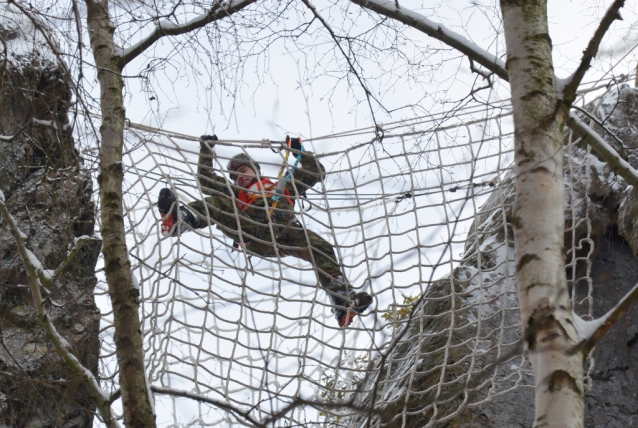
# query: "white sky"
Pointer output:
{"type": "Point", "coordinates": [279, 105]}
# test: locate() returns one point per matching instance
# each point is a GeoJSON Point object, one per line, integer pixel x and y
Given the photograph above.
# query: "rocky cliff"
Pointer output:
{"type": "Point", "coordinates": [49, 193]}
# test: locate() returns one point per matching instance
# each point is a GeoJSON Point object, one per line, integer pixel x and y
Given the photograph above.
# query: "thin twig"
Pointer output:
{"type": "Point", "coordinates": [296, 402]}
{"type": "Point", "coordinates": [216, 12]}
{"type": "Point", "coordinates": [612, 14]}
{"type": "Point", "coordinates": [439, 32]}
{"type": "Point", "coordinates": [600, 123]}
{"type": "Point", "coordinates": [369, 95]}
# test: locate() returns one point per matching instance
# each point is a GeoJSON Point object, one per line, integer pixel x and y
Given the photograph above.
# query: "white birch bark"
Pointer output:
{"type": "Point", "coordinates": [538, 221]}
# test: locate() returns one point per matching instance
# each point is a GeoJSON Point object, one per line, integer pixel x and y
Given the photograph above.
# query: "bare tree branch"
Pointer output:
{"type": "Point", "coordinates": [497, 66]}
{"type": "Point", "coordinates": [600, 123]}
{"type": "Point", "coordinates": [609, 155]}
{"type": "Point", "coordinates": [438, 31]}
{"type": "Point", "coordinates": [218, 11]}
{"type": "Point", "coordinates": [78, 24]}
{"type": "Point", "coordinates": [219, 404]}
{"type": "Point", "coordinates": [34, 273]}
{"type": "Point", "coordinates": [10, 138]}
{"type": "Point", "coordinates": [296, 402]}
{"type": "Point", "coordinates": [572, 83]}
{"type": "Point", "coordinates": [593, 331]}
{"type": "Point", "coordinates": [369, 94]}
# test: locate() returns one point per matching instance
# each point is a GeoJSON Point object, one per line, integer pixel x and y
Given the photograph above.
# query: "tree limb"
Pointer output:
{"type": "Point", "coordinates": [495, 65]}
{"type": "Point", "coordinates": [600, 123]}
{"type": "Point", "coordinates": [79, 243]}
{"type": "Point", "coordinates": [296, 402]}
{"type": "Point", "coordinates": [166, 28]}
{"type": "Point", "coordinates": [438, 31]}
{"type": "Point", "coordinates": [572, 83]}
{"type": "Point", "coordinates": [593, 331]}
{"type": "Point", "coordinates": [616, 163]}
{"type": "Point", "coordinates": [10, 138]}
{"type": "Point", "coordinates": [369, 94]}
{"type": "Point", "coordinates": [34, 273]}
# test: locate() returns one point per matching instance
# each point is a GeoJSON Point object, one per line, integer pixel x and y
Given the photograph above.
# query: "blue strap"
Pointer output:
{"type": "Point", "coordinates": [290, 173]}
{"type": "Point", "coordinates": [294, 167]}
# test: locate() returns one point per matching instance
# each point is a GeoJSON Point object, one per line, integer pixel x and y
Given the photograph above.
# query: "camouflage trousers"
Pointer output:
{"type": "Point", "coordinates": [286, 237]}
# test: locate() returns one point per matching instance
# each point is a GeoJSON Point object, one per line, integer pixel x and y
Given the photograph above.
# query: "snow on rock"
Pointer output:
{"type": "Point", "coordinates": [618, 110]}
{"type": "Point", "coordinates": [26, 44]}
{"type": "Point", "coordinates": [48, 192]}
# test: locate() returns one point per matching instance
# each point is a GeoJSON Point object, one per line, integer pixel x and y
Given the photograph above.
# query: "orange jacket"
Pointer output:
{"type": "Point", "coordinates": [245, 198]}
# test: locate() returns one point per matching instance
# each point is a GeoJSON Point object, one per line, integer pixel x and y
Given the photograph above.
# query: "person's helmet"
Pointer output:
{"type": "Point", "coordinates": [238, 160]}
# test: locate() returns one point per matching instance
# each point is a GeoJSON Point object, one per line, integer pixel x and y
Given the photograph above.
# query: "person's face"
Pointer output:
{"type": "Point", "coordinates": [245, 175]}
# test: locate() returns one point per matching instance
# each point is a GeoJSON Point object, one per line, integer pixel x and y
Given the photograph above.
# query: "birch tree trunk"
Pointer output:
{"type": "Point", "coordinates": [538, 220]}
{"type": "Point", "coordinates": [136, 398]}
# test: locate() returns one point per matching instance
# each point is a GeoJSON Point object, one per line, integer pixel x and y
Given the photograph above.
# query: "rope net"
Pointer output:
{"type": "Point", "coordinates": [417, 214]}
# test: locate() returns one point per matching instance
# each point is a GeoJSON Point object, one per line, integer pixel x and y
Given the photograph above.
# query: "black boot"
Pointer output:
{"type": "Point", "coordinates": [347, 305]}
{"type": "Point", "coordinates": [167, 205]}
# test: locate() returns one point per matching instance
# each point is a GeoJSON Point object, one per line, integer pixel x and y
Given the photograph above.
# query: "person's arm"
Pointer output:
{"type": "Point", "coordinates": [308, 173]}
{"type": "Point", "coordinates": [211, 183]}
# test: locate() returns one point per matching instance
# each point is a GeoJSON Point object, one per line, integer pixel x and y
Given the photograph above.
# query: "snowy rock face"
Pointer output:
{"type": "Point", "coordinates": [49, 193]}
{"type": "Point", "coordinates": [619, 111]}
{"type": "Point", "coordinates": [612, 401]}
{"type": "Point", "coordinates": [461, 364]}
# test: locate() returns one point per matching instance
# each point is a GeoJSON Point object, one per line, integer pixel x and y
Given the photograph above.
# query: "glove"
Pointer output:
{"type": "Point", "coordinates": [209, 139]}
{"type": "Point", "coordinates": [295, 143]}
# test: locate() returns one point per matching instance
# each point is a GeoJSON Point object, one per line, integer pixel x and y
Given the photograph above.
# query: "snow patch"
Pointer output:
{"type": "Point", "coordinates": [49, 123]}
{"type": "Point", "coordinates": [135, 282]}
{"type": "Point", "coordinates": [586, 329]}
{"type": "Point", "coordinates": [561, 83]}
{"type": "Point", "coordinates": [33, 260]}
{"type": "Point", "coordinates": [25, 43]}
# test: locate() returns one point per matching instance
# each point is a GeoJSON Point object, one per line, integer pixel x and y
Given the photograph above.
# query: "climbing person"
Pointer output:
{"type": "Point", "coordinates": [258, 215]}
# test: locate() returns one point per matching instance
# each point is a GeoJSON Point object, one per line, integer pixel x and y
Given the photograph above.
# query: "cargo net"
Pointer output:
{"type": "Point", "coordinates": [417, 212]}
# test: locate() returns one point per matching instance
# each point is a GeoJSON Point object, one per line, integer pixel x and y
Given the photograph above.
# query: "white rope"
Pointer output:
{"type": "Point", "coordinates": [401, 221]}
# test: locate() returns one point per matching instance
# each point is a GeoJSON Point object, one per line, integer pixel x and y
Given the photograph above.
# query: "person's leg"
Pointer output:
{"type": "Point", "coordinates": [292, 241]}
{"type": "Point", "coordinates": [172, 213]}
{"type": "Point", "coordinates": [314, 249]}
{"type": "Point", "coordinates": [215, 210]}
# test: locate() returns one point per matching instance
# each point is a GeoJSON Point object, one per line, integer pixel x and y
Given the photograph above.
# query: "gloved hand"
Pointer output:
{"type": "Point", "coordinates": [295, 143]}
{"type": "Point", "coordinates": [210, 139]}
